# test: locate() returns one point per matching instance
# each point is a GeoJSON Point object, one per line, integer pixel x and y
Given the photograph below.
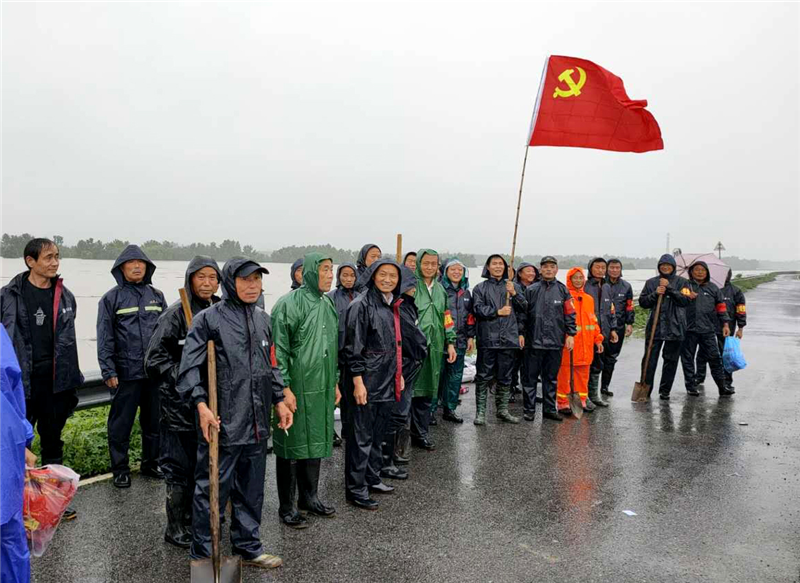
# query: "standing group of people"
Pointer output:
{"type": "Point", "coordinates": [387, 345]}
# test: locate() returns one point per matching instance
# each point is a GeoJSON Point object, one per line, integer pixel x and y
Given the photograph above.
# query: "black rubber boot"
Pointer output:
{"type": "Point", "coordinates": [176, 533]}
{"type": "Point", "coordinates": [286, 478]}
{"type": "Point", "coordinates": [389, 470]}
{"type": "Point", "coordinates": [308, 484]}
{"type": "Point", "coordinates": [402, 446]}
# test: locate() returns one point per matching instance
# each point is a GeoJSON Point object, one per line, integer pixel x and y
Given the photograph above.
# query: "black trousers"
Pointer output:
{"type": "Point", "coordinates": [420, 416]}
{"type": "Point", "coordinates": [242, 472]}
{"type": "Point", "coordinates": [363, 460]}
{"type": "Point", "coordinates": [700, 372]}
{"type": "Point", "coordinates": [178, 457]}
{"type": "Point", "coordinates": [671, 351]}
{"type": "Point", "coordinates": [401, 411]}
{"type": "Point", "coordinates": [48, 413]}
{"type": "Point", "coordinates": [706, 345]}
{"type": "Point", "coordinates": [542, 364]}
{"type": "Point", "coordinates": [125, 400]}
{"type": "Point", "coordinates": [495, 364]}
{"type": "Point", "coordinates": [610, 354]}
{"type": "Point", "coordinates": [518, 370]}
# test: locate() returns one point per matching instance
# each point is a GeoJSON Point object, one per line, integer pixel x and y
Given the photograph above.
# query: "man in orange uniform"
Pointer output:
{"type": "Point", "coordinates": [586, 339]}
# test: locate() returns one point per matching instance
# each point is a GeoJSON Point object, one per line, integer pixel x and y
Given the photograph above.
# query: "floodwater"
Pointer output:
{"type": "Point", "coordinates": [89, 279]}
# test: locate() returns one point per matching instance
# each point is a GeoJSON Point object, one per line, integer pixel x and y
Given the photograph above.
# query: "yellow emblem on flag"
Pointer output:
{"type": "Point", "coordinates": [574, 88]}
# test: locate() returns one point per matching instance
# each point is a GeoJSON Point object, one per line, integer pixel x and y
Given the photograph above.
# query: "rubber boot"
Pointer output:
{"type": "Point", "coordinates": [481, 392]}
{"type": "Point", "coordinates": [389, 470]}
{"type": "Point", "coordinates": [402, 446]}
{"type": "Point", "coordinates": [594, 391]}
{"type": "Point", "coordinates": [176, 532]}
{"type": "Point", "coordinates": [286, 478]}
{"type": "Point", "coordinates": [501, 405]}
{"type": "Point", "coordinates": [307, 485]}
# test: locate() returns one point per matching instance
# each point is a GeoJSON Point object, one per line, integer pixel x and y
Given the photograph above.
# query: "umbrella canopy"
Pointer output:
{"type": "Point", "coordinates": [717, 267]}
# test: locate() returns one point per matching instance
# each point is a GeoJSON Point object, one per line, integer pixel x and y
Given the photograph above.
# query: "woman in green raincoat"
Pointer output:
{"type": "Point", "coordinates": [305, 328]}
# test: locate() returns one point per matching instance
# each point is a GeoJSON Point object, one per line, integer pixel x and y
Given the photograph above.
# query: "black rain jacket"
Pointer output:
{"type": "Point", "coordinates": [295, 266]}
{"type": "Point", "coordinates": [248, 379]}
{"type": "Point", "coordinates": [672, 321]}
{"type": "Point", "coordinates": [361, 267]}
{"type": "Point", "coordinates": [415, 343]}
{"type": "Point", "coordinates": [550, 317]}
{"type": "Point", "coordinates": [489, 296]}
{"type": "Point", "coordinates": [164, 352]}
{"type": "Point", "coordinates": [126, 318]}
{"type": "Point", "coordinates": [459, 302]}
{"type": "Point", "coordinates": [66, 371]}
{"type": "Point", "coordinates": [707, 313]}
{"type": "Point", "coordinates": [604, 307]}
{"type": "Point", "coordinates": [735, 304]}
{"type": "Point", "coordinates": [342, 297]}
{"type": "Point", "coordinates": [622, 296]}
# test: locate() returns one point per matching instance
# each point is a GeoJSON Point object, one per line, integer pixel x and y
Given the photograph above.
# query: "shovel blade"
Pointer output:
{"type": "Point", "coordinates": [641, 393]}
{"type": "Point", "coordinates": [230, 570]}
{"type": "Point", "coordinates": [575, 405]}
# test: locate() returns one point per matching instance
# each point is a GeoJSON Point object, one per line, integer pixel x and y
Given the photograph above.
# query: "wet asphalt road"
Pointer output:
{"type": "Point", "coordinates": [715, 500]}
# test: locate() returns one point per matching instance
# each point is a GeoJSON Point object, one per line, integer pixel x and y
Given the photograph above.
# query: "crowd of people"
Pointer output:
{"type": "Point", "coordinates": [385, 341]}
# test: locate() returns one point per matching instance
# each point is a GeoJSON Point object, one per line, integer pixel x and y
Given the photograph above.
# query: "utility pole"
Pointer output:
{"type": "Point", "coordinates": [719, 248]}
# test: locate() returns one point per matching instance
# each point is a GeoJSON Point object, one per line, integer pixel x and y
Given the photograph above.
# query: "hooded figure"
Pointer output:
{"type": "Point", "coordinates": [293, 274]}
{"type": "Point", "coordinates": [16, 435]}
{"type": "Point", "coordinates": [305, 326]}
{"type": "Point", "coordinates": [671, 326]}
{"type": "Point", "coordinates": [704, 317]}
{"type": "Point", "coordinates": [374, 379]}
{"type": "Point", "coordinates": [587, 340]}
{"type": "Point", "coordinates": [178, 430]}
{"type": "Point", "coordinates": [500, 326]}
{"type": "Point", "coordinates": [438, 326]}
{"type": "Point", "coordinates": [605, 311]}
{"type": "Point", "coordinates": [410, 261]}
{"type": "Point", "coordinates": [622, 297]}
{"type": "Point", "coordinates": [248, 385]}
{"type": "Point", "coordinates": [362, 266]}
{"type": "Point", "coordinates": [519, 361]}
{"type": "Point", "coordinates": [517, 276]}
{"type": "Point", "coordinates": [342, 296]}
{"type": "Point", "coordinates": [126, 319]}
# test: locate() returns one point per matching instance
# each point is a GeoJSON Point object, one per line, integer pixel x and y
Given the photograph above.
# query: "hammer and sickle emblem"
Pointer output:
{"type": "Point", "coordinates": [574, 88]}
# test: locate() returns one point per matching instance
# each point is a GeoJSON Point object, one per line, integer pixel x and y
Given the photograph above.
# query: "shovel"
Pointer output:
{"type": "Point", "coordinates": [217, 569]}
{"type": "Point", "coordinates": [641, 390]}
{"type": "Point", "coordinates": [575, 404]}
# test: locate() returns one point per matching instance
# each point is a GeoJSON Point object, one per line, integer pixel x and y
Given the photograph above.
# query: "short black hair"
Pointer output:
{"type": "Point", "coordinates": [35, 247]}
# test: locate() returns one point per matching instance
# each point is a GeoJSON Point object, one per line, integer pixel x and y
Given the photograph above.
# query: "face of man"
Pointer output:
{"type": "Point", "coordinates": [578, 280]}
{"type": "Point", "coordinates": [249, 288]}
{"type": "Point", "coordinates": [348, 278]}
{"type": "Point", "coordinates": [599, 270]}
{"type": "Point", "coordinates": [372, 256]}
{"type": "Point", "coordinates": [429, 266]}
{"type": "Point", "coordinates": [298, 275]}
{"type": "Point", "coordinates": [411, 262]}
{"type": "Point", "coordinates": [549, 271]}
{"type": "Point", "coordinates": [614, 270]}
{"type": "Point", "coordinates": [497, 267]}
{"type": "Point", "coordinates": [47, 264]}
{"type": "Point", "coordinates": [134, 270]}
{"type": "Point", "coordinates": [205, 283]}
{"type": "Point", "coordinates": [455, 273]}
{"type": "Point", "coordinates": [325, 275]}
{"type": "Point", "coordinates": [665, 269]}
{"type": "Point", "coordinates": [699, 272]}
{"type": "Point", "coordinates": [527, 275]}
{"type": "Point", "coordinates": [386, 278]}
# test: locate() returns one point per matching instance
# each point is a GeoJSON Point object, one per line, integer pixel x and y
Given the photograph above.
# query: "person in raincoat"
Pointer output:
{"type": "Point", "coordinates": [305, 327]}
{"type": "Point", "coordinates": [499, 307]}
{"type": "Point", "coordinates": [622, 296]}
{"type": "Point", "coordinates": [588, 340]}
{"type": "Point", "coordinates": [459, 302]}
{"type": "Point", "coordinates": [410, 260]}
{"type": "Point", "coordinates": [438, 326]}
{"type": "Point", "coordinates": [368, 255]}
{"type": "Point", "coordinates": [527, 274]}
{"type": "Point", "coordinates": [16, 436]}
{"type": "Point", "coordinates": [344, 293]}
{"type": "Point", "coordinates": [248, 385]}
{"type": "Point", "coordinates": [296, 273]}
{"type": "Point", "coordinates": [126, 318]}
{"type": "Point", "coordinates": [178, 431]}
{"type": "Point", "coordinates": [671, 326]}
{"type": "Point", "coordinates": [704, 316]}
{"type": "Point", "coordinates": [597, 287]}
{"type": "Point", "coordinates": [374, 379]}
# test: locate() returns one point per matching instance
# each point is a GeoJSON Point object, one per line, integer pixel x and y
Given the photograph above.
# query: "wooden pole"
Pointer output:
{"type": "Point", "coordinates": [399, 247]}
{"type": "Point", "coordinates": [213, 461]}
{"type": "Point", "coordinates": [187, 308]}
{"type": "Point", "coordinates": [516, 223]}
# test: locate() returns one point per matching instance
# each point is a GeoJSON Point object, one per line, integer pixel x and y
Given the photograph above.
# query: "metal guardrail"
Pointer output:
{"type": "Point", "coordinates": [93, 392]}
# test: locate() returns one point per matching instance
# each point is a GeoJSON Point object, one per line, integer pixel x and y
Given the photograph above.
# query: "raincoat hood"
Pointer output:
{"type": "Point", "coordinates": [708, 272]}
{"type": "Point", "coordinates": [592, 262]}
{"type": "Point", "coordinates": [728, 277]}
{"type": "Point", "coordinates": [366, 280]}
{"type": "Point", "coordinates": [229, 270]}
{"type": "Point", "coordinates": [464, 283]}
{"type": "Point", "coordinates": [311, 263]}
{"type": "Point", "coordinates": [195, 265]}
{"type": "Point", "coordinates": [362, 255]}
{"type": "Point", "coordinates": [486, 275]}
{"type": "Point", "coordinates": [133, 252]}
{"type": "Point", "coordinates": [522, 266]}
{"type": "Point", "coordinates": [339, 274]}
{"type": "Point", "coordinates": [407, 279]}
{"type": "Point", "coordinates": [572, 289]}
{"type": "Point", "coordinates": [295, 266]}
{"type": "Point", "coordinates": [420, 254]}
{"type": "Point", "coordinates": [669, 259]}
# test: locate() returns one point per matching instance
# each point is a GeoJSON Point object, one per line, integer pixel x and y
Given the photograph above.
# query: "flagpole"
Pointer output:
{"type": "Point", "coordinates": [519, 204]}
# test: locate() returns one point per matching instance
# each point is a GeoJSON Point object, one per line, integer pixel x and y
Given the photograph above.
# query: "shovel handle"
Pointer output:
{"type": "Point", "coordinates": [187, 308]}
{"type": "Point", "coordinates": [213, 461]}
{"type": "Point", "coordinates": [571, 374]}
{"type": "Point", "coordinates": [652, 338]}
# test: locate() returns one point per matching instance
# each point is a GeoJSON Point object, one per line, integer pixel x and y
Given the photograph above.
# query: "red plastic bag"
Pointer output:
{"type": "Point", "coordinates": [48, 492]}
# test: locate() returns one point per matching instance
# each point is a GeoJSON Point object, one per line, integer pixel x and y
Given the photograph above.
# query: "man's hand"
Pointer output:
{"type": "Point", "coordinates": [112, 383]}
{"type": "Point", "coordinates": [726, 330]}
{"type": "Point", "coordinates": [285, 416]}
{"type": "Point", "coordinates": [510, 288]}
{"type": "Point", "coordinates": [504, 311]}
{"type": "Point", "coordinates": [207, 421]}
{"type": "Point", "coordinates": [359, 391]}
{"type": "Point", "coordinates": [663, 282]}
{"type": "Point", "coordinates": [570, 342]}
{"type": "Point", "coordinates": [290, 400]}
{"type": "Point", "coordinates": [628, 330]}
{"type": "Point", "coordinates": [451, 354]}
{"type": "Point", "coordinates": [692, 294]}
{"type": "Point", "coordinates": [599, 347]}
{"type": "Point", "coordinates": [471, 344]}
{"type": "Point", "coordinates": [661, 290]}
{"type": "Point", "coordinates": [338, 395]}
{"type": "Point", "coordinates": [521, 341]}
{"type": "Point", "coordinates": [739, 333]}
{"type": "Point", "coordinates": [614, 337]}
{"type": "Point", "coordinates": [30, 458]}
{"type": "Point", "coordinates": [402, 384]}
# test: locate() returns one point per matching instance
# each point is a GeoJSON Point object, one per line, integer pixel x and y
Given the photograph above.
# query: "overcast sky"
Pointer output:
{"type": "Point", "coordinates": [302, 123]}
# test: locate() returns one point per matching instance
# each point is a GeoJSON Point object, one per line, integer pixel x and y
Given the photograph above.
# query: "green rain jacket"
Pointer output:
{"type": "Point", "coordinates": [305, 328]}
{"type": "Point", "coordinates": [433, 311]}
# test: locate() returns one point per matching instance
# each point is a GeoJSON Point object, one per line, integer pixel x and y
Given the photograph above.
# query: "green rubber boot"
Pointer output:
{"type": "Point", "coordinates": [594, 391]}
{"type": "Point", "coordinates": [501, 398]}
{"type": "Point", "coordinates": [481, 391]}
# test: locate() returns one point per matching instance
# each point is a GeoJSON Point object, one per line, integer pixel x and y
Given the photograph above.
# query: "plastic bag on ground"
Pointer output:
{"type": "Point", "coordinates": [732, 355]}
{"type": "Point", "coordinates": [469, 369]}
{"type": "Point", "coordinates": [48, 492]}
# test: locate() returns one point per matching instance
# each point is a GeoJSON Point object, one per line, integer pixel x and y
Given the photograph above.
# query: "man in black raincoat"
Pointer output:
{"type": "Point", "coordinates": [704, 316]}
{"type": "Point", "coordinates": [368, 255]}
{"type": "Point", "coordinates": [622, 296]}
{"type": "Point", "coordinates": [374, 381]}
{"type": "Point", "coordinates": [249, 384]}
{"type": "Point", "coordinates": [499, 332]}
{"type": "Point", "coordinates": [671, 326]}
{"type": "Point", "coordinates": [410, 261]}
{"type": "Point", "coordinates": [178, 431]}
{"type": "Point", "coordinates": [526, 276]}
{"type": "Point", "coordinates": [297, 273]}
{"type": "Point", "coordinates": [126, 318]}
{"type": "Point", "coordinates": [604, 309]}
{"type": "Point", "coordinates": [344, 293]}
{"type": "Point", "coordinates": [39, 314]}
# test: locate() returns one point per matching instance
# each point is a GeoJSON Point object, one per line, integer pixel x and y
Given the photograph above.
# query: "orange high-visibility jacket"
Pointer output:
{"type": "Point", "coordinates": [586, 321]}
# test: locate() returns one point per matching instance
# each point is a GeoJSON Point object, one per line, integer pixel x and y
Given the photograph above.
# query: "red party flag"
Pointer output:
{"type": "Point", "coordinates": [582, 105]}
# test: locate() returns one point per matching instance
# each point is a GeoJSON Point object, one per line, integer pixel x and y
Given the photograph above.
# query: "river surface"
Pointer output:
{"type": "Point", "coordinates": [89, 279]}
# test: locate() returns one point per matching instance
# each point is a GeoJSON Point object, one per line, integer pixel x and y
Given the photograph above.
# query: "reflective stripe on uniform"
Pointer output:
{"type": "Point", "coordinates": [128, 310]}
{"type": "Point", "coordinates": [152, 308]}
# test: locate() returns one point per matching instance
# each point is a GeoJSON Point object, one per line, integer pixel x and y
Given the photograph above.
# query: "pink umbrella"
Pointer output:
{"type": "Point", "coordinates": [717, 267]}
